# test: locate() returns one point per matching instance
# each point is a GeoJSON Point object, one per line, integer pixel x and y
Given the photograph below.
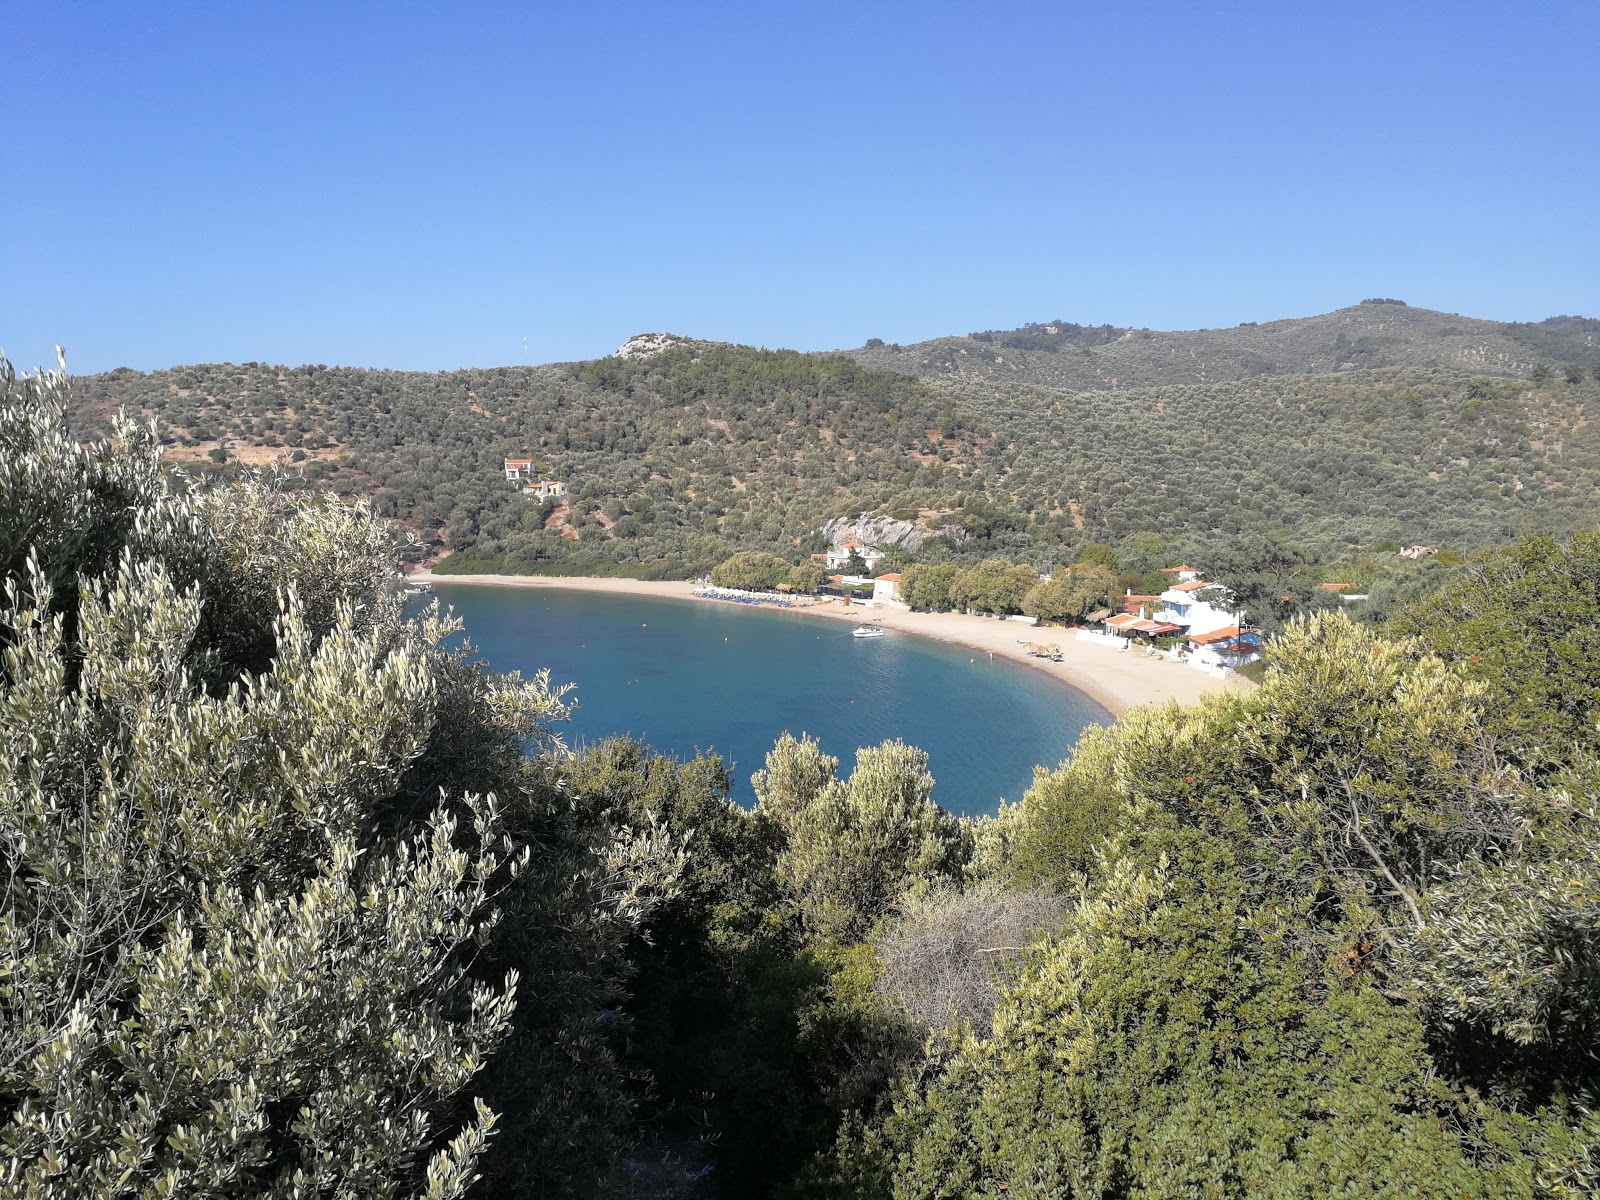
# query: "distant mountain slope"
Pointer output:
{"type": "Point", "coordinates": [1364, 336]}
{"type": "Point", "coordinates": [673, 456]}
{"type": "Point", "coordinates": [683, 452]}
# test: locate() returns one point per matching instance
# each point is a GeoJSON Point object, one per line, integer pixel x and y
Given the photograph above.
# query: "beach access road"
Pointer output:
{"type": "Point", "coordinates": [1116, 679]}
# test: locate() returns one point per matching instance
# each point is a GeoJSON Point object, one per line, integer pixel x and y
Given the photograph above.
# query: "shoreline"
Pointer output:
{"type": "Point", "coordinates": [1116, 680]}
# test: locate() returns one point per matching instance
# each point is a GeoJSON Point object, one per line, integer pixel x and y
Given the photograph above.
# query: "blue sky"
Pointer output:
{"type": "Point", "coordinates": [440, 186]}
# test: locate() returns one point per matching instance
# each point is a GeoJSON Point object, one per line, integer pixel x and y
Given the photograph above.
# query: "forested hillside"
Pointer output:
{"type": "Point", "coordinates": [675, 460]}
{"type": "Point", "coordinates": [1372, 334]}
{"type": "Point", "coordinates": [1333, 460]}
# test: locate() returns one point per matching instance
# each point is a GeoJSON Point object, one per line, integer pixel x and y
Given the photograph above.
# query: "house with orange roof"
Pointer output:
{"type": "Point", "coordinates": [1224, 649]}
{"type": "Point", "coordinates": [1140, 626]}
{"type": "Point", "coordinates": [545, 489]}
{"type": "Point", "coordinates": [1183, 571]}
{"type": "Point", "coordinates": [886, 589]}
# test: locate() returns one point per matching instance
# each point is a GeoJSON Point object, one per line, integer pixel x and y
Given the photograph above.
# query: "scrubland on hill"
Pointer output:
{"type": "Point", "coordinates": [675, 459]}
{"type": "Point", "coordinates": [1374, 334]}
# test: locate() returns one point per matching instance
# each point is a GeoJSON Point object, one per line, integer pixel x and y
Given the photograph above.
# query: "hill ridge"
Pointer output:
{"type": "Point", "coordinates": [1370, 334]}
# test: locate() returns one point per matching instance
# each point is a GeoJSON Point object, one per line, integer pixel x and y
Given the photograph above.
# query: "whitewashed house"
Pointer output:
{"type": "Point", "coordinates": [1210, 615]}
{"type": "Point", "coordinates": [886, 589]}
{"type": "Point", "coordinates": [1198, 606]}
{"type": "Point", "coordinates": [545, 489]}
{"type": "Point", "coordinates": [839, 555]}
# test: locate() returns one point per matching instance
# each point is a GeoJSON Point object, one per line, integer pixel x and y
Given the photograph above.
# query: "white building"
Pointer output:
{"type": "Point", "coordinates": [1210, 614]}
{"type": "Point", "coordinates": [1224, 648]}
{"type": "Point", "coordinates": [1199, 607]}
{"type": "Point", "coordinates": [886, 589]}
{"type": "Point", "coordinates": [838, 556]}
{"type": "Point", "coordinates": [545, 489]}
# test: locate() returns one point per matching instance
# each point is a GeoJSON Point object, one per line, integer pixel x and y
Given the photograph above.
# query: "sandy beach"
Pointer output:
{"type": "Point", "coordinates": [1116, 679]}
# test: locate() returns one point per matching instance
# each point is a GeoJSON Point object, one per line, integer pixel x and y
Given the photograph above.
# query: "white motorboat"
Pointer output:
{"type": "Point", "coordinates": [865, 631]}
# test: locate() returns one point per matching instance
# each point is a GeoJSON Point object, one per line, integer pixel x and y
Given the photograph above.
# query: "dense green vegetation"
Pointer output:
{"type": "Point", "coordinates": [1317, 940]}
{"type": "Point", "coordinates": [1335, 461]}
{"type": "Point", "coordinates": [279, 873]}
{"type": "Point", "coordinates": [676, 460]}
{"type": "Point", "coordinates": [672, 462]}
{"type": "Point", "coordinates": [298, 901]}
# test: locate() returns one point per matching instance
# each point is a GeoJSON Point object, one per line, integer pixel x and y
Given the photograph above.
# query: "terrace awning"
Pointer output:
{"type": "Point", "coordinates": [1130, 623]}
{"type": "Point", "coordinates": [1156, 628]}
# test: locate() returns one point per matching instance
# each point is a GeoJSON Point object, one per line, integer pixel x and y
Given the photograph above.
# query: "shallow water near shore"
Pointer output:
{"type": "Point", "coordinates": [686, 676]}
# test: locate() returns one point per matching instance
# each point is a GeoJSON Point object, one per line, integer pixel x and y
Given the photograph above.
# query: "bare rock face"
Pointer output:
{"type": "Point", "coordinates": [876, 531]}
{"type": "Point", "coordinates": [646, 345]}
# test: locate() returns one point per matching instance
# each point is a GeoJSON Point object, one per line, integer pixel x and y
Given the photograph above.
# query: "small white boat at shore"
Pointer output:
{"type": "Point", "coordinates": [866, 631]}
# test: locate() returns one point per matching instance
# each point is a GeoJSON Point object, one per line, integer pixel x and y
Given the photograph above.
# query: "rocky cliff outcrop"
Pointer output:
{"type": "Point", "coordinates": [872, 530]}
{"type": "Point", "coordinates": [647, 345]}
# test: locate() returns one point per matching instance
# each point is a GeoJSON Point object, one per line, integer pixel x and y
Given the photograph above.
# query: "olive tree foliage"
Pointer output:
{"type": "Point", "coordinates": [1508, 957]}
{"type": "Point", "coordinates": [751, 570]}
{"type": "Point", "coordinates": [796, 771]}
{"type": "Point", "coordinates": [1512, 943]}
{"type": "Point", "coordinates": [1330, 912]}
{"type": "Point", "coordinates": [1521, 621]}
{"type": "Point", "coordinates": [1070, 598]}
{"type": "Point", "coordinates": [926, 586]}
{"type": "Point", "coordinates": [851, 848]}
{"type": "Point", "coordinates": [1363, 764]}
{"type": "Point", "coordinates": [993, 585]}
{"type": "Point", "coordinates": [994, 838]}
{"type": "Point", "coordinates": [1362, 771]}
{"type": "Point", "coordinates": [251, 874]}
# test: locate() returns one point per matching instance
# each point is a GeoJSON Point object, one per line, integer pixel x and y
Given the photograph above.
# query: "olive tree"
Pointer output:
{"type": "Point", "coordinates": [751, 570]}
{"type": "Point", "coordinates": [257, 834]}
{"type": "Point", "coordinates": [926, 586]}
{"type": "Point", "coordinates": [857, 846]}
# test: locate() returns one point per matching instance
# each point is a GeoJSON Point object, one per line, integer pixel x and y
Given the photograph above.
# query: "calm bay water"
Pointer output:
{"type": "Point", "coordinates": [684, 675]}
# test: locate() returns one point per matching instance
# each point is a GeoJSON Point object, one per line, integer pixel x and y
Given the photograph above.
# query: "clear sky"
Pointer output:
{"type": "Point", "coordinates": [442, 185]}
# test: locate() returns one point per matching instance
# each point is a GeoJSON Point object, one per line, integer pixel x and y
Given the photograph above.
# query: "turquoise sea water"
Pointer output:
{"type": "Point", "coordinates": [685, 675]}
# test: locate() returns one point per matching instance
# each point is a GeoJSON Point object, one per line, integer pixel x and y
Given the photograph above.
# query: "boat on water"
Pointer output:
{"type": "Point", "coordinates": [866, 631]}
{"type": "Point", "coordinates": [420, 589]}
